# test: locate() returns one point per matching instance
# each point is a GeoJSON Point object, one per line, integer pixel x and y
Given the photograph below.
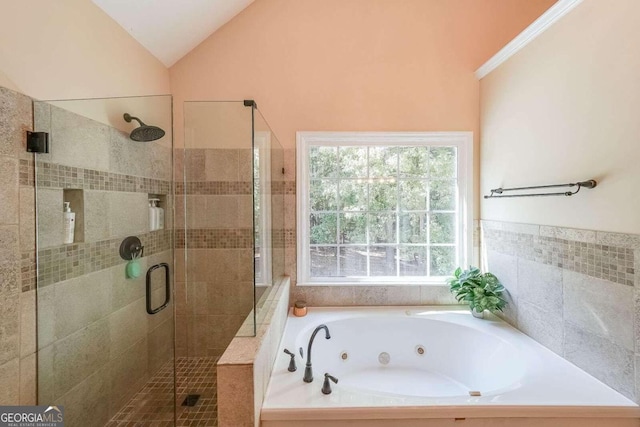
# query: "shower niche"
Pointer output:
{"type": "Point", "coordinates": [101, 353]}
{"type": "Point", "coordinates": [75, 198]}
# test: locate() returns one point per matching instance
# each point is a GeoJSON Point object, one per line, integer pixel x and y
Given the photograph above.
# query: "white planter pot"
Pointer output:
{"type": "Point", "coordinates": [478, 314]}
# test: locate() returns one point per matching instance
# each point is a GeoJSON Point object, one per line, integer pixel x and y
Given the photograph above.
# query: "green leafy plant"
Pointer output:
{"type": "Point", "coordinates": [482, 291]}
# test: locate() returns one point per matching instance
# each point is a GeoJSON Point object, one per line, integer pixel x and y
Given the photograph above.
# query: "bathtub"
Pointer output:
{"type": "Point", "coordinates": [431, 366]}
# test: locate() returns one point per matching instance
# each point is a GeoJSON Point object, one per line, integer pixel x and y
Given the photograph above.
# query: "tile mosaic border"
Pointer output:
{"type": "Point", "coordinates": [26, 173]}
{"type": "Point", "coordinates": [28, 270]}
{"type": "Point", "coordinates": [69, 261]}
{"type": "Point", "coordinates": [214, 188]}
{"type": "Point", "coordinates": [214, 238]}
{"type": "Point", "coordinates": [283, 187]}
{"type": "Point", "coordinates": [283, 238]}
{"type": "Point", "coordinates": [610, 257]}
{"type": "Point", "coordinates": [52, 175]}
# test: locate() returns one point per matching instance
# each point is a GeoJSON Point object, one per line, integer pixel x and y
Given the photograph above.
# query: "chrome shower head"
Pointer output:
{"type": "Point", "coordinates": [144, 133]}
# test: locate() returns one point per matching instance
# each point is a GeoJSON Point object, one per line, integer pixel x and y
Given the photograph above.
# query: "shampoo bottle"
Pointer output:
{"type": "Point", "coordinates": [152, 215]}
{"type": "Point", "coordinates": [69, 223]}
{"type": "Point", "coordinates": [160, 213]}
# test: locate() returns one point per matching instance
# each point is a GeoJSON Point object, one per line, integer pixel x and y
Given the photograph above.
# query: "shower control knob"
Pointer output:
{"type": "Point", "coordinates": [292, 363]}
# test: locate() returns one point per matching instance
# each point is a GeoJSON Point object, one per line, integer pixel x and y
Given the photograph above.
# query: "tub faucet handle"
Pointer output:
{"type": "Point", "coordinates": [326, 387]}
{"type": "Point", "coordinates": [292, 362]}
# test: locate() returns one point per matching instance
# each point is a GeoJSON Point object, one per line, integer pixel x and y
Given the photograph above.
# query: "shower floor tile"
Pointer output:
{"type": "Point", "coordinates": [153, 405]}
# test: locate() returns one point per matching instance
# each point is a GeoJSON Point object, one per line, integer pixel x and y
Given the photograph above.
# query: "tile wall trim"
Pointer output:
{"type": "Point", "coordinates": [213, 188]}
{"type": "Point", "coordinates": [283, 187]}
{"type": "Point", "coordinates": [216, 188]}
{"type": "Point", "coordinates": [603, 255]}
{"type": "Point", "coordinates": [26, 172]}
{"type": "Point", "coordinates": [75, 260]}
{"type": "Point", "coordinates": [283, 238]}
{"type": "Point", "coordinates": [52, 175]}
{"type": "Point", "coordinates": [631, 241]}
{"type": "Point", "coordinates": [573, 234]}
{"type": "Point", "coordinates": [28, 270]}
{"type": "Point", "coordinates": [214, 238]}
{"type": "Point", "coordinates": [514, 227]}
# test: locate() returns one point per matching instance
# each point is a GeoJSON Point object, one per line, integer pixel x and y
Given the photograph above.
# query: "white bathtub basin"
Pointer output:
{"type": "Point", "coordinates": [454, 360]}
{"type": "Point", "coordinates": [461, 355]}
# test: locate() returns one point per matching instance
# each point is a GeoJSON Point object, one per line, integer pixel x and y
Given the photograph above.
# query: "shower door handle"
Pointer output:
{"type": "Point", "coordinates": [167, 284]}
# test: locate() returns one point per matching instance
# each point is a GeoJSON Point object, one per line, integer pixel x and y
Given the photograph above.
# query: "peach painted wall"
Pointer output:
{"type": "Point", "coordinates": [354, 65]}
{"type": "Point", "coordinates": [65, 49]}
{"type": "Point", "coordinates": [567, 108]}
{"type": "Point", "coordinates": [6, 82]}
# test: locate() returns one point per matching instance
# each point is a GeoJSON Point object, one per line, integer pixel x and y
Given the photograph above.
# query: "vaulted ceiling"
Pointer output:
{"type": "Point", "coordinates": [169, 29]}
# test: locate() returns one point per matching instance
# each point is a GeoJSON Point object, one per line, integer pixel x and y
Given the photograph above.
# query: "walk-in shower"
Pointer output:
{"type": "Point", "coordinates": [103, 354]}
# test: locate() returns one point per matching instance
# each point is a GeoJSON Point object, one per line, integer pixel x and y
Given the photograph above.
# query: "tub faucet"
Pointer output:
{"type": "Point", "coordinates": [308, 372]}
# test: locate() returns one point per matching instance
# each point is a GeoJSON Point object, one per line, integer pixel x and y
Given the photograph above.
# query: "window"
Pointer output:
{"type": "Point", "coordinates": [383, 208]}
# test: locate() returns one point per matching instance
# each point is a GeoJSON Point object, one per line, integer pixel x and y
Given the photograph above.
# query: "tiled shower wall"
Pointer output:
{"type": "Point", "coordinates": [17, 254]}
{"type": "Point", "coordinates": [215, 228]}
{"type": "Point", "coordinates": [96, 343]}
{"type": "Point", "coordinates": [575, 292]}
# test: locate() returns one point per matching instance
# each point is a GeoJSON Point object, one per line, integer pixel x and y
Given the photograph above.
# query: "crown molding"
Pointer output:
{"type": "Point", "coordinates": [539, 26]}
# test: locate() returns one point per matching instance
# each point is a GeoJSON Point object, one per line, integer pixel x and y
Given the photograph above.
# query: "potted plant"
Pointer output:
{"type": "Point", "coordinates": [482, 291]}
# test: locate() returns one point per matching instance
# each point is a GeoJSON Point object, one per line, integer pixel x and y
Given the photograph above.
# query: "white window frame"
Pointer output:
{"type": "Point", "coordinates": [262, 143]}
{"type": "Point", "coordinates": [463, 141]}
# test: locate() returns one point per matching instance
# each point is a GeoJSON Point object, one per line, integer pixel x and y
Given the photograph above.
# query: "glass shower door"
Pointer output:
{"type": "Point", "coordinates": [214, 201]}
{"type": "Point", "coordinates": [230, 240]}
{"type": "Point", "coordinates": [105, 316]}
